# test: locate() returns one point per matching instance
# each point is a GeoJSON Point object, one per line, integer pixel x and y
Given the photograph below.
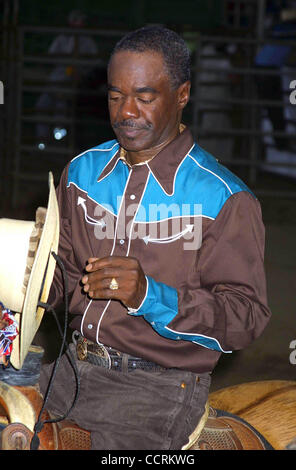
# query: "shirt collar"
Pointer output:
{"type": "Point", "coordinates": [164, 165]}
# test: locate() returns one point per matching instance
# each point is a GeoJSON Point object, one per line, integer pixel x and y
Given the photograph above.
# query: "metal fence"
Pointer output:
{"type": "Point", "coordinates": [55, 104]}
{"type": "Point", "coordinates": [61, 105]}
{"type": "Point", "coordinates": [232, 120]}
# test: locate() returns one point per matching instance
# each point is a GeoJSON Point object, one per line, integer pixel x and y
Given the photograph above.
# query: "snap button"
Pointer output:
{"type": "Point", "coordinates": [90, 326]}
{"type": "Point", "coordinates": [121, 242]}
{"type": "Point", "coordinates": [132, 196]}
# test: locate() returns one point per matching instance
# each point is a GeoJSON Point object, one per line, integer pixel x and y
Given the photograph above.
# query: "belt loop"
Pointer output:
{"type": "Point", "coordinates": [125, 362]}
{"type": "Point", "coordinates": [75, 336]}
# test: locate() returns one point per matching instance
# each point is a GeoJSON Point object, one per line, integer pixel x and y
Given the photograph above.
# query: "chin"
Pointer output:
{"type": "Point", "coordinates": [133, 144]}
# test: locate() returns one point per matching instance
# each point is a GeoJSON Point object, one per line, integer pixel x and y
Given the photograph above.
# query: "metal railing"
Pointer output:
{"type": "Point", "coordinates": [33, 83]}
{"type": "Point", "coordinates": [252, 137]}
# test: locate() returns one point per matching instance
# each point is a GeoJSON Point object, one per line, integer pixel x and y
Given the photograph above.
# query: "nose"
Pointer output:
{"type": "Point", "coordinates": [129, 108]}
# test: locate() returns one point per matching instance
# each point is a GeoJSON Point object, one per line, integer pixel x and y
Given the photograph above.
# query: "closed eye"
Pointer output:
{"type": "Point", "coordinates": [113, 98]}
{"type": "Point", "coordinates": [145, 101]}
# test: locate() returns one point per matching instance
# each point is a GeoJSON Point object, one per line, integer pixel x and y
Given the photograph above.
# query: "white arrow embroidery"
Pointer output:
{"type": "Point", "coordinates": [148, 239]}
{"type": "Point", "coordinates": [88, 219]}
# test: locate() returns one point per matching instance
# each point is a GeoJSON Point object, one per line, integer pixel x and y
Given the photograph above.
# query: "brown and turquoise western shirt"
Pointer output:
{"type": "Point", "coordinates": [197, 232]}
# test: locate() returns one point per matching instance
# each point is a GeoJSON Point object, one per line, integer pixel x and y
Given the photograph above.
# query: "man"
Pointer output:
{"type": "Point", "coordinates": [164, 251]}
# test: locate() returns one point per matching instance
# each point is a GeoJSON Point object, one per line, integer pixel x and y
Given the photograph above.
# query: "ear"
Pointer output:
{"type": "Point", "coordinates": [184, 94]}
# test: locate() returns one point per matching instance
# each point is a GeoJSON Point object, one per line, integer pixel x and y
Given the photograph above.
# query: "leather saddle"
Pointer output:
{"type": "Point", "coordinates": [220, 431]}
{"type": "Point", "coordinates": [226, 431]}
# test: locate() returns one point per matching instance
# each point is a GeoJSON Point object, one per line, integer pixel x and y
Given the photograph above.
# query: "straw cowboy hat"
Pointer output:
{"type": "Point", "coordinates": [27, 269]}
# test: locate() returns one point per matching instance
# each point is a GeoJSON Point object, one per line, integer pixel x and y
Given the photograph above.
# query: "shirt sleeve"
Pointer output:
{"type": "Point", "coordinates": [222, 305]}
{"type": "Point", "coordinates": [65, 250]}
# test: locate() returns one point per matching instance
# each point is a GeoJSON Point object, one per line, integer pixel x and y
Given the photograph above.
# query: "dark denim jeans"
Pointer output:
{"type": "Point", "coordinates": [137, 410]}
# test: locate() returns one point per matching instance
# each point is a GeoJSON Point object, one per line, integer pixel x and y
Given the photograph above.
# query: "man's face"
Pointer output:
{"type": "Point", "coordinates": [144, 109]}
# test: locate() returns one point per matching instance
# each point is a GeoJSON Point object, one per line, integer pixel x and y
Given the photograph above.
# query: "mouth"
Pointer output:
{"type": "Point", "coordinates": [130, 132]}
{"type": "Point", "coordinates": [129, 129]}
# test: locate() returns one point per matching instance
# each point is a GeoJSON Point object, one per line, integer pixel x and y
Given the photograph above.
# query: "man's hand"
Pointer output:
{"type": "Point", "coordinates": [126, 271]}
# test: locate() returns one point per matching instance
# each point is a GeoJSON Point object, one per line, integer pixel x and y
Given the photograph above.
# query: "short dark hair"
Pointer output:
{"type": "Point", "coordinates": [173, 48]}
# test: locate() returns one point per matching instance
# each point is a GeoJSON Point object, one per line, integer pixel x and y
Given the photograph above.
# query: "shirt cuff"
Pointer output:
{"type": "Point", "coordinates": [160, 304]}
{"type": "Point", "coordinates": [135, 310]}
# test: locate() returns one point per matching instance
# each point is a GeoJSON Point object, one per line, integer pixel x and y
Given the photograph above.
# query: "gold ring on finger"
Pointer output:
{"type": "Point", "coordinates": [113, 284]}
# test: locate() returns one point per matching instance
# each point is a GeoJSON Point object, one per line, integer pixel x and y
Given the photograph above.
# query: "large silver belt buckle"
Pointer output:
{"type": "Point", "coordinates": [98, 352]}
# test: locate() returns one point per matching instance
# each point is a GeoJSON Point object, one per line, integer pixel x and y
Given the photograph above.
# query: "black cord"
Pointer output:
{"type": "Point", "coordinates": [35, 442]}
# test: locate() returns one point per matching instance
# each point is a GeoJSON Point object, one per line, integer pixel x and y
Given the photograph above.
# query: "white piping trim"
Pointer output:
{"type": "Point", "coordinates": [83, 317]}
{"type": "Point", "coordinates": [108, 161]}
{"type": "Point", "coordinates": [99, 323]}
{"type": "Point", "coordinates": [140, 221]}
{"type": "Point", "coordinates": [95, 150]}
{"type": "Point", "coordinates": [198, 334]}
{"type": "Point", "coordinates": [134, 310]}
{"type": "Point", "coordinates": [112, 169]}
{"type": "Point", "coordinates": [133, 222]}
{"type": "Point", "coordinates": [174, 217]}
{"type": "Point", "coordinates": [174, 175]}
{"type": "Point", "coordinates": [210, 171]}
{"type": "Point", "coordinates": [118, 216]}
{"type": "Point", "coordinates": [87, 195]}
{"type": "Point", "coordinates": [115, 233]}
{"type": "Point", "coordinates": [171, 238]}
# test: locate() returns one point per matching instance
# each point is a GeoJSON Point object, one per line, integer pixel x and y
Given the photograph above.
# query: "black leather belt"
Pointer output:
{"type": "Point", "coordinates": [105, 356]}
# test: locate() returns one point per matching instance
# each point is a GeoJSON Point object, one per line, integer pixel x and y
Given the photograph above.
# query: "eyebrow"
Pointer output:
{"type": "Point", "coordinates": [145, 89]}
{"type": "Point", "coordinates": [113, 88]}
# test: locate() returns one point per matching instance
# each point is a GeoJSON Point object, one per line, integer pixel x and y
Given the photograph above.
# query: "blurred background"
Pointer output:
{"type": "Point", "coordinates": [53, 105]}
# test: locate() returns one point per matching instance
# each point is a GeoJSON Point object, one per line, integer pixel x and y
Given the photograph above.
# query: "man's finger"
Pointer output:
{"type": "Point", "coordinates": [105, 294]}
{"type": "Point", "coordinates": [103, 291]}
{"type": "Point", "coordinates": [108, 261]}
{"type": "Point", "coordinates": [101, 283]}
{"type": "Point", "coordinates": [99, 275]}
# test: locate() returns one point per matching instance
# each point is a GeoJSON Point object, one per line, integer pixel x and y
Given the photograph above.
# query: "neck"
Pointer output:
{"type": "Point", "coordinates": [143, 156]}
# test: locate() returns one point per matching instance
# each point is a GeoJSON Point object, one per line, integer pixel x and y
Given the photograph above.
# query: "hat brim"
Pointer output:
{"type": "Point", "coordinates": [39, 283]}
